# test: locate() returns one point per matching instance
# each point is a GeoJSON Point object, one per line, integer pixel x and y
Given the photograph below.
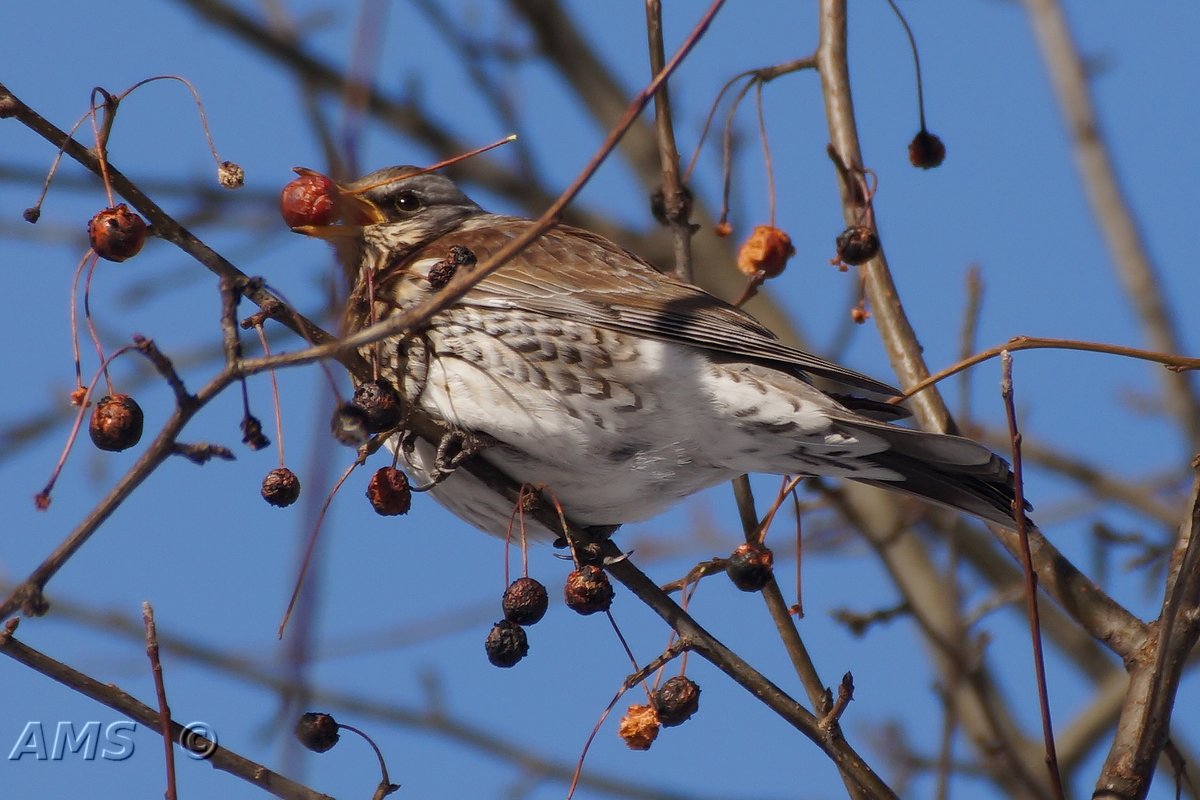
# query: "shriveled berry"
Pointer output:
{"type": "Point", "coordinates": [389, 492]}
{"type": "Point", "coordinates": [349, 425]}
{"type": "Point", "coordinates": [308, 200]}
{"type": "Point", "coordinates": [588, 590]}
{"type": "Point", "coordinates": [231, 175]}
{"type": "Point", "coordinates": [442, 271]}
{"type": "Point", "coordinates": [750, 566]}
{"type": "Point", "coordinates": [723, 229]}
{"type": "Point", "coordinates": [639, 727]}
{"type": "Point", "coordinates": [658, 206]}
{"type": "Point", "coordinates": [856, 245]}
{"type": "Point", "coordinates": [117, 233]}
{"type": "Point", "coordinates": [525, 601]}
{"type": "Point", "coordinates": [252, 433]}
{"type": "Point", "coordinates": [281, 487]}
{"type": "Point", "coordinates": [506, 644]}
{"type": "Point", "coordinates": [766, 251]}
{"type": "Point", "coordinates": [380, 403]}
{"type": "Point", "coordinates": [677, 699]}
{"type": "Point", "coordinates": [116, 423]}
{"type": "Point", "coordinates": [926, 150]}
{"type": "Point", "coordinates": [317, 731]}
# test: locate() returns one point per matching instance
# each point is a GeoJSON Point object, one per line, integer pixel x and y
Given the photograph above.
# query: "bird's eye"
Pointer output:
{"type": "Point", "coordinates": [408, 202]}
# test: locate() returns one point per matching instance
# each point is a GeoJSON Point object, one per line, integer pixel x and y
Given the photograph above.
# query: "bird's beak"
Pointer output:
{"type": "Point", "coordinates": [356, 211]}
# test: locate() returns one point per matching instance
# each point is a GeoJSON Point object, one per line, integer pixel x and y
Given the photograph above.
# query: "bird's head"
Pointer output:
{"type": "Point", "coordinates": [392, 212]}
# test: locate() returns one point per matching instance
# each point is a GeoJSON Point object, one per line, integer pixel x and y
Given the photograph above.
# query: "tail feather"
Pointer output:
{"type": "Point", "coordinates": [950, 470]}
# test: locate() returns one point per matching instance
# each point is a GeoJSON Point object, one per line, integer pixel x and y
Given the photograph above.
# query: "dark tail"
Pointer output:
{"type": "Point", "coordinates": [950, 470]}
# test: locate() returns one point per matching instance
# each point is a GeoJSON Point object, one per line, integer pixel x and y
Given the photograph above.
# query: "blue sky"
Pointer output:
{"type": "Point", "coordinates": [404, 605]}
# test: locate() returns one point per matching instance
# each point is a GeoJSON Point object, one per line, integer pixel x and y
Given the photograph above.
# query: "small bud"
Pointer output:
{"type": "Point", "coordinates": [750, 566]}
{"type": "Point", "coordinates": [525, 601]}
{"type": "Point", "coordinates": [767, 251]}
{"type": "Point", "coordinates": [116, 233]}
{"type": "Point", "coordinates": [389, 492]}
{"type": "Point", "coordinates": [230, 175]}
{"type": "Point", "coordinates": [859, 315]}
{"type": "Point", "coordinates": [380, 403]}
{"type": "Point", "coordinates": [639, 727]}
{"type": "Point", "coordinates": [281, 487]}
{"type": "Point", "coordinates": [506, 644]}
{"type": "Point", "coordinates": [677, 700]}
{"type": "Point", "coordinates": [318, 732]}
{"type": "Point", "coordinates": [116, 423]}
{"type": "Point", "coordinates": [723, 229]}
{"type": "Point", "coordinates": [856, 245]}
{"type": "Point", "coordinates": [308, 200]}
{"type": "Point", "coordinates": [926, 150]}
{"type": "Point", "coordinates": [8, 106]}
{"type": "Point", "coordinates": [349, 425]}
{"type": "Point", "coordinates": [588, 590]}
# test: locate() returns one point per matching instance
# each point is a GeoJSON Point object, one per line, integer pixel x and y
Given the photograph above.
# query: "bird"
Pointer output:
{"type": "Point", "coordinates": [613, 388]}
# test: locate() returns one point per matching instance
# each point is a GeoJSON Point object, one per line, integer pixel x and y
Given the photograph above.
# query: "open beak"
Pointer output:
{"type": "Point", "coordinates": [356, 212]}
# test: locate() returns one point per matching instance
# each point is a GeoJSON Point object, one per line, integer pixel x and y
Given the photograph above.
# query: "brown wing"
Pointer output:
{"type": "Point", "coordinates": [558, 276]}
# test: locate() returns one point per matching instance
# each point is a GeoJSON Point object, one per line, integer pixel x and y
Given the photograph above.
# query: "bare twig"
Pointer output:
{"type": "Point", "coordinates": [160, 691]}
{"type": "Point", "coordinates": [220, 757]}
{"type": "Point", "coordinates": [1035, 627]}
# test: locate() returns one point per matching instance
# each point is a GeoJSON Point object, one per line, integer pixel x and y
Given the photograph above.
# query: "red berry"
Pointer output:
{"type": "Point", "coordinates": [117, 233]}
{"type": "Point", "coordinates": [281, 487]}
{"type": "Point", "coordinates": [308, 200]}
{"type": "Point", "coordinates": [389, 492]}
{"type": "Point", "coordinates": [750, 566]}
{"type": "Point", "coordinates": [506, 644]}
{"type": "Point", "coordinates": [588, 590]}
{"type": "Point", "coordinates": [116, 423]}
{"type": "Point", "coordinates": [525, 601]}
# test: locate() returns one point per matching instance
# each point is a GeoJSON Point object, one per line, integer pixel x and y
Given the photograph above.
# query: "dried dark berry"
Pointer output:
{"type": "Point", "coordinates": [506, 644]}
{"type": "Point", "coordinates": [380, 403]}
{"type": "Point", "coordinates": [316, 731]}
{"type": "Point", "coordinates": [658, 206]}
{"type": "Point", "coordinates": [639, 727]}
{"type": "Point", "coordinates": [588, 590]}
{"type": "Point", "coordinates": [281, 487]}
{"type": "Point", "coordinates": [32, 214]}
{"type": "Point", "coordinates": [389, 492]}
{"type": "Point", "coordinates": [252, 433]}
{"type": "Point", "coordinates": [525, 601]}
{"type": "Point", "coordinates": [442, 271]}
{"type": "Point", "coordinates": [116, 423]}
{"type": "Point", "coordinates": [308, 200]}
{"type": "Point", "coordinates": [857, 245]}
{"type": "Point", "coordinates": [677, 700]}
{"type": "Point", "coordinates": [750, 566]}
{"type": "Point", "coordinates": [349, 425]}
{"type": "Point", "coordinates": [117, 233]}
{"type": "Point", "coordinates": [926, 150]}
